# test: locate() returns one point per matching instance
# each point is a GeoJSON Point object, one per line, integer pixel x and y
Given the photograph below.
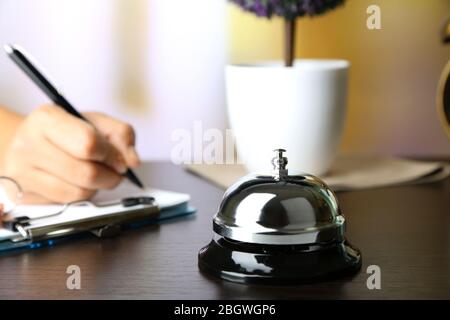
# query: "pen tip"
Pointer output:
{"type": "Point", "coordinates": [134, 179]}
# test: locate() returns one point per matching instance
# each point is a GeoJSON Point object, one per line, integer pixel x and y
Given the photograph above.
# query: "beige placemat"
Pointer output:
{"type": "Point", "coordinates": [349, 172]}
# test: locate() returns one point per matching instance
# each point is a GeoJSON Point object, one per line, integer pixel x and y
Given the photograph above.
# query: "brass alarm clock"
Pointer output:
{"type": "Point", "coordinates": [443, 95]}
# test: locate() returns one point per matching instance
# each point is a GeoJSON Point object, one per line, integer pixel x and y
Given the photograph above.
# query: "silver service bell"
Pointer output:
{"type": "Point", "coordinates": [279, 229]}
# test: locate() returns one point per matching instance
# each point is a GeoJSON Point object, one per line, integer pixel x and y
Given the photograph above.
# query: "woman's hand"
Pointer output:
{"type": "Point", "coordinates": [56, 157]}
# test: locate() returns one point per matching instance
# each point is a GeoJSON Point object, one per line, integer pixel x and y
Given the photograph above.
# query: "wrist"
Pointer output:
{"type": "Point", "coordinates": [9, 122]}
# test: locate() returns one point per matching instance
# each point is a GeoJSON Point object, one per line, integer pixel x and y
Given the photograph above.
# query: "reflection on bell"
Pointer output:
{"type": "Point", "coordinates": [279, 229]}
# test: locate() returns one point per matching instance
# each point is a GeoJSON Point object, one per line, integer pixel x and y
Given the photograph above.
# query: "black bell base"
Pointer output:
{"type": "Point", "coordinates": [277, 264]}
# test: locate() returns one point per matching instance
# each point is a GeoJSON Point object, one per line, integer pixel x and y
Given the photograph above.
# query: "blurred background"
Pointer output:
{"type": "Point", "coordinates": [159, 64]}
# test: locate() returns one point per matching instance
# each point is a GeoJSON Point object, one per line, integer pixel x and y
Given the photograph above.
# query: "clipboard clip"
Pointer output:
{"type": "Point", "coordinates": [134, 201]}
{"type": "Point", "coordinates": [20, 223]}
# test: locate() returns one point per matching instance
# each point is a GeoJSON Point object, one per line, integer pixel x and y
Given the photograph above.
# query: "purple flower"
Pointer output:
{"type": "Point", "coordinates": [288, 9]}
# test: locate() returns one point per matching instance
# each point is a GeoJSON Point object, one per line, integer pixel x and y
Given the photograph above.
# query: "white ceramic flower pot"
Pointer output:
{"type": "Point", "coordinates": [300, 109]}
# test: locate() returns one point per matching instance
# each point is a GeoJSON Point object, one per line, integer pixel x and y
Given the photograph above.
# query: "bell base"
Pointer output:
{"type": "Point", "coordinates": [277, 264]}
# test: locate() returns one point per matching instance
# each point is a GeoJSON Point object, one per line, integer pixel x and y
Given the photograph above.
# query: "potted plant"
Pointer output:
{"type": "Point", "coordinates": [297, 105]}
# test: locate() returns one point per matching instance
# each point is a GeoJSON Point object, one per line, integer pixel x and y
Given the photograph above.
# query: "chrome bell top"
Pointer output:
{"type": "Point", "coordinates": [280, 209]}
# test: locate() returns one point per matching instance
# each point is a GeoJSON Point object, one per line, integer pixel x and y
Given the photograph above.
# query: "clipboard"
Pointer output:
{"type": "Point", "coordinates": [37, 226]}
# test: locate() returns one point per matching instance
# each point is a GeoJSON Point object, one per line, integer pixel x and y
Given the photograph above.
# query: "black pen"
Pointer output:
{"type": "Point", "coordinates": [44, 84]}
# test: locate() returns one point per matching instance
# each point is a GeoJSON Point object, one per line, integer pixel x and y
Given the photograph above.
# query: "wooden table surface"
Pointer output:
{"type": "Point", "coordinates": [403, 230]}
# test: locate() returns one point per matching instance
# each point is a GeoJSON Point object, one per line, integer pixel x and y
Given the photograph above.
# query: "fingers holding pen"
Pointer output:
{"type": "Point", "coordinates": [91, 175]}
{"type": "Point", "coordinates": [80, 139]}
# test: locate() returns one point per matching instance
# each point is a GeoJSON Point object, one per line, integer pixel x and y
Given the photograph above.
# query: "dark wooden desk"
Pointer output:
{"type": "Point", "coordinates": [404, 230]}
